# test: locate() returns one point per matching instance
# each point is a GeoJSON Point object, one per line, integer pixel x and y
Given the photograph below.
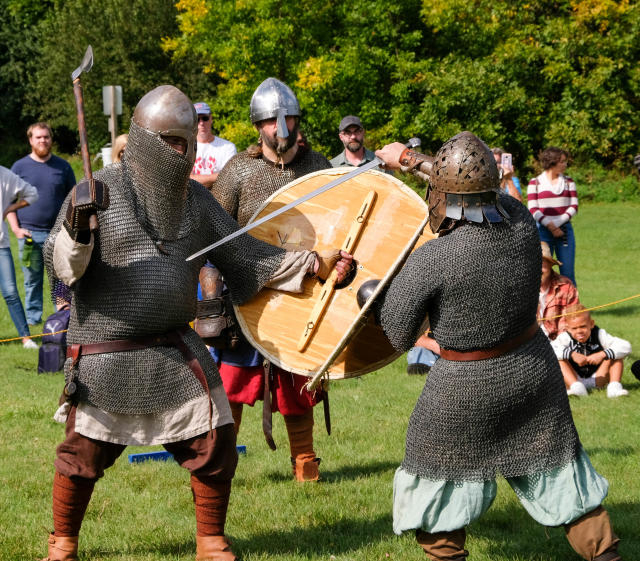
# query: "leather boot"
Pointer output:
{"type": "Point", "coordinates": [592, 536]}
{"type": "Point", "coordinates": [300, 432]}
{"type": "Point", "coordinates": [306, 468]}
{"type": "Point", "coordinates": [214, 548]}
{"type": "Point", "coordinates": [62, 548]}
{"type": "Point", "coordinates": [443, 546]}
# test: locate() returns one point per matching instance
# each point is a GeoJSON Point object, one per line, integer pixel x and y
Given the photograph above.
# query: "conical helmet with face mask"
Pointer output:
{"type": "Point", "coordinates": [464, 183]}
{"type": "Point", "coordinates": [274, 99]}
{"type": "Point", "coordinates": [160, 174]}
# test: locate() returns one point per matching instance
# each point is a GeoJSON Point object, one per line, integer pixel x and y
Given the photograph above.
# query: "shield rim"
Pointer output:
{"type": "Point", "coordinates": [357, 323]}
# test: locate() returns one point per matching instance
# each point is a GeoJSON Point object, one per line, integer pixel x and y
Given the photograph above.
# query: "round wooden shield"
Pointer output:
{"type": "Point", "coordinates": [379, 220]}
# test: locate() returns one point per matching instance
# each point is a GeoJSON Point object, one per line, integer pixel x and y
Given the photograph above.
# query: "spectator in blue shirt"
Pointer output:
{"type": "Point", "coordinates": [53, 178]}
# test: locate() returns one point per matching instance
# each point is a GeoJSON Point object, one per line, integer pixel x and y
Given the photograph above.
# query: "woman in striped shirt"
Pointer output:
{"type": "Point", "coordinates": [553, 201]}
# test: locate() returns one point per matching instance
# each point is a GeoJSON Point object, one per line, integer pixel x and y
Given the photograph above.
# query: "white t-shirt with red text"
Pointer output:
{"type": "Point", "coordinates": [212, 156]}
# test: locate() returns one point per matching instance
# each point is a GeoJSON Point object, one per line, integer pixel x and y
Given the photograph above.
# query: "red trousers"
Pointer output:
{"type": "Point", "coordinates": [246, 385]}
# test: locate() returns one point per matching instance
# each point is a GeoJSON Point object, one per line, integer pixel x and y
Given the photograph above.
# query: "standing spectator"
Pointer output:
{"type": "Point", "coordinates": [12, 188]}
{"type": "Point", "coordinates": [53, 178]}
{"type": "Point", "coordinates": [118, 147]}
{"type": "Point", "coordinates": [557, 293]}
{"type": "Point", "coordinates": [509, 183]}
{"type": "Point", "coordinates": [351, 134]}
{"type": "Point", "coordinates": [213, 152]}
{"type": "Point", "coordinates": [553, 201]}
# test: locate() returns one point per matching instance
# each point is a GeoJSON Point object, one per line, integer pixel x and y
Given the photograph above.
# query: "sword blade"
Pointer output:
{"type": "Point", "coordinates": [373, 163]}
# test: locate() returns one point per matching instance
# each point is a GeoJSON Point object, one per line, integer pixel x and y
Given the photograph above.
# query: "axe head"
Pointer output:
{"type": "Point", "coordinates": [85, 65]}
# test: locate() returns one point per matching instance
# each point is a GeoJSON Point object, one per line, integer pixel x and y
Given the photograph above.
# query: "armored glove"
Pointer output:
{"type": "Point", "coordinates": [87, 197]}
{"type": "Point", "coordinates": [214, 321]}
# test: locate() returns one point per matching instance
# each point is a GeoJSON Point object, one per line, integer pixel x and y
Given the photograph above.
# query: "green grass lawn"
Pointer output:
{"type": "Point", "coordinates": [144, 511]}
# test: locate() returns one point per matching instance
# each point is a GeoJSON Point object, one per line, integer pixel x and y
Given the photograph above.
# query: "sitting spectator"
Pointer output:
{"type": "Point", "coordinates": [423, 355]}
{"type": "Point", "coordinates": [590, 357]}
{"type": "Point", "coordinates": [557, 293]}
{"type": "Point", "coordinates": [509, 183]}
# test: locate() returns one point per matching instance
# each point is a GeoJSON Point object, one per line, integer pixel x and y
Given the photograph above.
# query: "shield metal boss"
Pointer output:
{"type": "Point", "coordinates": [274, 321]}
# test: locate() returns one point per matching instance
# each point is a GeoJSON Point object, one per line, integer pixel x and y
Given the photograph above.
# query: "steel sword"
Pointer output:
{"type": "Point", "coordinates": [414, 142]}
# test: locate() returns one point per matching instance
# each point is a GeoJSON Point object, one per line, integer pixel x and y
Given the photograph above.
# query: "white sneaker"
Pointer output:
{"type": "Point", "coordinates": [30, 344]}
{"type": "Point", "coordinates": [577, 388]}
{"type": "Point", "coordinates": [615, 389]}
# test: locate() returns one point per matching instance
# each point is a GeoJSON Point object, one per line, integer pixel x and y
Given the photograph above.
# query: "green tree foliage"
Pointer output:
{"type": "Point", "coordinates": [18, 60]}
{"type": "Point", "coordinates": [125, 36]}
{"type": "Point", "coordinates": [520, 74]}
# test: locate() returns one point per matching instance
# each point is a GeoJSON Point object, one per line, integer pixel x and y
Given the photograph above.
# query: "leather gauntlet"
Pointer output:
{"type": "Point", "coordinates": [416, 163]}
{"type": "Point", "coordinates": [326, 262]}
{"type": "Point", "coordinates": [87, 197]}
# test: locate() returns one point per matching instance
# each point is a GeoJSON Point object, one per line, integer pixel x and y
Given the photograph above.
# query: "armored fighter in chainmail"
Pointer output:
{"type": "Point", "coordinates": [247, 180]}
{"type": "Point", "coordinates": [495, 401]}
{"type": "Point", "coordinates": [136, 373]}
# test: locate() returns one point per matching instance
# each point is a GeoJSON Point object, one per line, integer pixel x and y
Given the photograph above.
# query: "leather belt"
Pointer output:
{"type": "Point", "coordinates": [493, 352]}
{"type": "Point", "coordinates": [169, 339]}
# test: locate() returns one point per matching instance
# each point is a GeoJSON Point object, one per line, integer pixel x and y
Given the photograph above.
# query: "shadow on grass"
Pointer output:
{"type": "Point", "coordinates": [620, 311]}
{"type": "Point", "coordinates": [511, 534]}
{"type": "Point", "coordinates": [341, 474]}
{"type": "Point", "coordinates": [505, 532]}
{"type": "Point", "coordinates": [322, 541]}
{"type": "Point", "coordinates": [620, 451]}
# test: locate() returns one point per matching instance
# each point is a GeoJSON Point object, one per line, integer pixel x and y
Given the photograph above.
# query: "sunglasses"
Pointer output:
{"type": "Point", "coordinates": [204, 118]}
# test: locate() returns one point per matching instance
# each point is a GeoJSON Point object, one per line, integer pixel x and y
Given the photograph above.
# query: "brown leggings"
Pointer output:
{"type": "Point", "coordinates": [211, 458]}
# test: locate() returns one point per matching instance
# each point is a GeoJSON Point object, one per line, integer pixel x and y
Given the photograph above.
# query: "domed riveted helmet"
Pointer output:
{"type": "Point", "coordinates": [274, 99]}
{"type": "Point", "coordinates": [166, 111]}
{"type": "Point", "coordinates": [464, 182]}
{"type": "Point", "coordinates": [464, 164]}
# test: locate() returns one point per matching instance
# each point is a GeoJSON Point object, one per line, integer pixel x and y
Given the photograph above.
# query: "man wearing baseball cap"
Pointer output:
{"type": "Point", "coordinates": [351, 134]}
{"type": "Point", "coordinates": [213, 152]}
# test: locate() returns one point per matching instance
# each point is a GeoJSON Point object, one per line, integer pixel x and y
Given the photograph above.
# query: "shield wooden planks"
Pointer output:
{"type": "Point", "coordinates": [274, 321]}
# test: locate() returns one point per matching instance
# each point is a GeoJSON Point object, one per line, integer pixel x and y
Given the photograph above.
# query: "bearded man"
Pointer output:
{"type": "Point", "coordinates": [136, 373]}
{"type": "Point", "coordinates": [351, 134]}
{"type": "Point", "coordinates": [495, 400]}
{"type": "Point", "coordinates": [247, 180]}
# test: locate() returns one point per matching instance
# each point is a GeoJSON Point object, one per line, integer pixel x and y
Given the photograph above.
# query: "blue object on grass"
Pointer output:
{"type": "Point", "coordinates": [163, 456]}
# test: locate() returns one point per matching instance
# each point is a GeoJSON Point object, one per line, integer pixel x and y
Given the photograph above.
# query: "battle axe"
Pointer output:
{"type": "Point", "coordinates": [89, 195]}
